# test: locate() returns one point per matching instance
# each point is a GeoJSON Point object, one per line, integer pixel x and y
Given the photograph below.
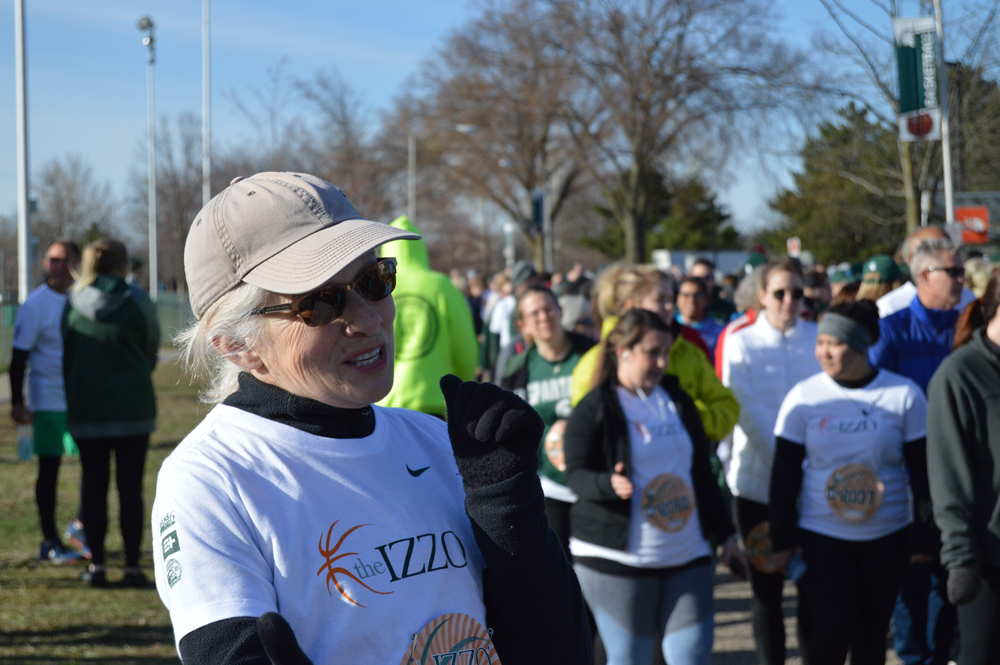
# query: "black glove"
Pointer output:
{"type": "Point", "coordinates": [963, 584]}
{"type": "Point", "coordinates": [279, 641]}
{"type": "Point", "coordinates": [494, 433]}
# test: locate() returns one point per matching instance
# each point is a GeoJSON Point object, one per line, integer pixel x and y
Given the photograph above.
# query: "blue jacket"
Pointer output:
{"type": "Point", "coordinates": [914, 341]}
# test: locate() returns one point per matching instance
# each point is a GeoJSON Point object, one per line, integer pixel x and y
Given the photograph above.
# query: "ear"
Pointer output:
{"type": "Point", "coordinates": [238, 353]}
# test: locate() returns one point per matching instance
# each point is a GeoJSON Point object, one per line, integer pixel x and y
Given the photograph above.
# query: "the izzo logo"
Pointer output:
{"type": "Point", "coordinates": [400, 559]}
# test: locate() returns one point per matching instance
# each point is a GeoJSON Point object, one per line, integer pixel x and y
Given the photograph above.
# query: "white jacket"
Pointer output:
{"type": "Point", "coordinates": [760, 364]}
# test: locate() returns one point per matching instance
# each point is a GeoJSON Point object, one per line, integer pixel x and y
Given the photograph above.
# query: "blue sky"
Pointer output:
{"type": "Point", "coordinates": [87, 70]}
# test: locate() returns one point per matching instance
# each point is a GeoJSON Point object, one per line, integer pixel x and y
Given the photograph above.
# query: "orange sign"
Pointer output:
{"type": "Point", "coordinates": [975, 223]}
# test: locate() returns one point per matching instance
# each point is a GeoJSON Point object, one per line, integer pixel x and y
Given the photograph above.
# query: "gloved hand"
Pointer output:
{"type": "Point", "coordinates": [494, 433]}
{"type": "Point", "coordinates": [963, 584]}
{"type": "Point", "coordinates": [279, 640]}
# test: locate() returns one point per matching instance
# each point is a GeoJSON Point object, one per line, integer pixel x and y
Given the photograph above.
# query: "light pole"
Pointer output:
{"type": "Point", "coordinates": [146, 25]}
{"type": "Point", "coordinates": [411, 164]}
{"type": "Point", "coordinates": [23, 204]}
{"type": "Point", "coordinates": [206, 107]}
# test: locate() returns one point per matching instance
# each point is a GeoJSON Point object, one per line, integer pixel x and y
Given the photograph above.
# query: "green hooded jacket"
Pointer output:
{"type": "Point", "coordinates": [433, 330]}
{"type": "Point", "coordinates": [110, 339]}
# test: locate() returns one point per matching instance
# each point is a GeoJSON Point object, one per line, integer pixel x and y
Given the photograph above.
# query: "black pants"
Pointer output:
{"type": "Point", "coordinates": [130, 463]}
{"type": "Point", "coordinates": [849, 590]}
{"type": "Point", "coordinates": [765, 608]}
{"type": "Point", "coordinates": [979, 623]}
{"type": "Point", "coordinates": [45, 495]}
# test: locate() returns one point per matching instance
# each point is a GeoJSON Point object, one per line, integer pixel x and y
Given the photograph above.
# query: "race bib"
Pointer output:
{"type": "Point", "coordinates": [760, 548]}
{"type": "Point", "coordinates": [554, 445]}
{"type": "Point", "coordinates": [854, 492]}
{"type": "Point", "coordinates": [667, 502]}
{"type": "Point", "coordinates": [451, 639]}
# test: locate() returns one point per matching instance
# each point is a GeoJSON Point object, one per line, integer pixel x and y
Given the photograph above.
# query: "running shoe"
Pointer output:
{"type": "Point", "coordinates": [77, 538]}
{"type": "Point", "coordinates": [94, 578]}
{"type": "Point", "coordinates": [136, 581]}
{"type": "Point", "coordinates": [53, 550]}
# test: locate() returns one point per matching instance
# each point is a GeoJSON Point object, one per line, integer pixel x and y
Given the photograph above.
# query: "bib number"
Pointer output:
{"type": "Point", "coordinates": [854, 492]}
{"type": "Point", "coordinates": [451, 639]}
{"type": "Point", "coordinates": [667, 502]}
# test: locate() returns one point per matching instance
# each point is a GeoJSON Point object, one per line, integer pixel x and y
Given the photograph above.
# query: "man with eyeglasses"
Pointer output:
{"type": "Point", "coordinates": [901, 297]}
{"type": "Point", "coordinates": [760, 364]}
{"type": "Point", "coordinates": [298, 523]}
{"type": "Point", "coordinates": [913, 342]}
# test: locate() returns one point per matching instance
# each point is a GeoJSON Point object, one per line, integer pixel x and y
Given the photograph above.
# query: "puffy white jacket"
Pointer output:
{"type": "Point", "coordinates": [760, 364]}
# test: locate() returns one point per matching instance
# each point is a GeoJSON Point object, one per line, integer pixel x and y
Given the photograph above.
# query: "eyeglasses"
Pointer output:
{"type": "Point", "coordinates": [954, 271]}
{"type": "Point", "coordinates": [779, 294]}
{"type": "Point", "coordinates": [327, 304]}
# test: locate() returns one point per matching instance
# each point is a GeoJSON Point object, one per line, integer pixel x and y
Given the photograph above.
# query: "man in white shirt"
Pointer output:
{"type": "Point", "coordinates": [901, 297]}
{"type": "Point", "coordinates": [760, 364]}
{"type": "Point", "coordinates": [38, 346]}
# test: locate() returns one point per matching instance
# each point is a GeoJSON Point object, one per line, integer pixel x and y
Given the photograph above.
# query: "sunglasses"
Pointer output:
{"type": "Point", "coordinates": [327, 304]}
{"type": "Point", "coordinates": [779, 294]}
{"type": "Point", "coordinates": [953, 271]}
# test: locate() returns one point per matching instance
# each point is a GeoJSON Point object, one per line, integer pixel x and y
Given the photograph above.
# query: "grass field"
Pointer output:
{"type": "Point", "coordinates": [46, 614]}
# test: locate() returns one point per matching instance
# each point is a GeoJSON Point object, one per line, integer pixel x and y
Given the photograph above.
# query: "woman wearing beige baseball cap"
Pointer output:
{"type": "Point", "coordinates": [298, 523]}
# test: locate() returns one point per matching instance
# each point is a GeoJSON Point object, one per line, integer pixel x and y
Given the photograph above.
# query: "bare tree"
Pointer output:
{"type": "Point", "coordinates": [870, 80]}
{"type": "Point", "coordinates": [501, 76]}
{"type": "Point", "coordinates": [342, 149]}
{"type": "Point", "coordinates": [71, 202]}
{"type": "Point", "coordinates": [670, 86]}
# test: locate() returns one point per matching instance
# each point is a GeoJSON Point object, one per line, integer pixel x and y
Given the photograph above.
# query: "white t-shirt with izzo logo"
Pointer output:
{"type": "Point", "coordinates": [358, 543]}
{"type": "Point", "coordinates": [854, 479]}
{"type": "Point", "coordinates": [664, 527]}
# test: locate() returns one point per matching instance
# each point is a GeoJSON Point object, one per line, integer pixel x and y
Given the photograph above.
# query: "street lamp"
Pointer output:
{"type": "Point", "coordinates": [411, 164]}
{"type": "Point", "coordinates": [146, 25]}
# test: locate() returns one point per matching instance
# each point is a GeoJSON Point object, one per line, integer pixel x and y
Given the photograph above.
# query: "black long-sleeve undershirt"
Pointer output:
{"type": "Point", "coordinates": [18, 367]}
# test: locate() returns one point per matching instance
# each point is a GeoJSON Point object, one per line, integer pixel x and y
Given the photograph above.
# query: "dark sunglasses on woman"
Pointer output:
{"type": "Point", "coordinates": [327, 304]}
{"type": "Point", "coordinates": [779, 294]}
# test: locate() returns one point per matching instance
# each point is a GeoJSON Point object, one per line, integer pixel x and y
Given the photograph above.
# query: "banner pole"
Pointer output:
{"type": "Point", "coordinates": [949, 195]}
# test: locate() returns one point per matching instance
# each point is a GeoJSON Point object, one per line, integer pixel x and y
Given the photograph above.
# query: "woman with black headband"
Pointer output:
{"type": "Point", "coordinates": [851, 447]}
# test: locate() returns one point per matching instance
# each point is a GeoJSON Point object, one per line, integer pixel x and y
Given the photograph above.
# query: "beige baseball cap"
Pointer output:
{"type": "Point", "coordinates": [284, 232]}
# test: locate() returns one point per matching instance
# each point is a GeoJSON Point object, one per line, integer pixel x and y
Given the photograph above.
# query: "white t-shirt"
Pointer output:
{"type": "Point", "coordinates": [840, 426]}
{"type": "Point", "coordinates": [38, 330]}
{"type": "Point", "coordinates": [500, 318]}
{"type": "Point", "coordinates": [659, 445]}
{"type": "Point", "coordinates": [358, 543]}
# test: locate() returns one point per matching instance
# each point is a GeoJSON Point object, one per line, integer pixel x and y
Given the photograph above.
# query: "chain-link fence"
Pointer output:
{"type": "Point", "coordinates": [172, 309]}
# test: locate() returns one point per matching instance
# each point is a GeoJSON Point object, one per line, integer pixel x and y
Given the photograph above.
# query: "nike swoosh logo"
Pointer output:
{"type": "Point", "coordinates": [417, 472]}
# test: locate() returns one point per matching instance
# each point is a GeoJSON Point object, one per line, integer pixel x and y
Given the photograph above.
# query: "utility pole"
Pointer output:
{"type": "Point", "coordinates": [23, 211]}
{"type": "Point", "coordinates": [146, 25]}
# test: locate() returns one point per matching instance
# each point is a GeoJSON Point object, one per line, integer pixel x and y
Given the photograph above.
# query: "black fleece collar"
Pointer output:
{"type": "Point", "coordinates": [277, 404]}
{"type": "Point", "coordinates": [859, 383]}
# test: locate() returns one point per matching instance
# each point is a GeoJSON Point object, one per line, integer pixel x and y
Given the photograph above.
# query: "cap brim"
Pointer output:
{"type": "Point", "coordinates": [313, 261]}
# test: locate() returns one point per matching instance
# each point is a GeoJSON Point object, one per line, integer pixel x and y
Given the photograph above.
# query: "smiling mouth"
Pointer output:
{"type": "Point", "coordinates": [366, 359]}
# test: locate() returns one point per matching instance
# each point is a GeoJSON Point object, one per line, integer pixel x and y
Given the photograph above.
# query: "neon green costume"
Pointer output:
{"type": "Point", "coordinates": [433, 330]}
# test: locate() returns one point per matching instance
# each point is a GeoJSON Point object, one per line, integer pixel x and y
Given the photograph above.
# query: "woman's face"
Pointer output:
{"type": "Point", "coordinates": [782, 299]}
{"type": "Point", "coordinates": [347, 363]}
{"type": "Point", "coordinates": [540, 318]}
{"type": "Point", "coordinates": [659, 299]}
{"type": "Point", "coordinates": [643, 365]}
{"type": "Point", "coordinates": [838, 360]}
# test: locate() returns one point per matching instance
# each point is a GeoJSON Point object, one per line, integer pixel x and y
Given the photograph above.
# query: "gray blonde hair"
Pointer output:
{"type": "Point", "coordinates": [927, 252]}
{"type": "Point", "coordinates": [229, 318]}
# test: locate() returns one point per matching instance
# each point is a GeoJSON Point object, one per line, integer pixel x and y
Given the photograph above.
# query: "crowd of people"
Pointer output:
{"type": "Point", "coordinates": [500, 462]}
{"type": "Point", "coordinates": [813, 386]}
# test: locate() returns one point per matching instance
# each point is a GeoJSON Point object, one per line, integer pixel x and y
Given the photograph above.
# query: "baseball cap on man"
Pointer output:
{"type": "Point", "coordinates": [284, 232]}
